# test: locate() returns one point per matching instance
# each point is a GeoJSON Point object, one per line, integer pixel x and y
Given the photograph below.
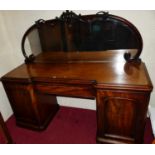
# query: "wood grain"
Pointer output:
{"type": "Point", "coordinates": [122, 92]}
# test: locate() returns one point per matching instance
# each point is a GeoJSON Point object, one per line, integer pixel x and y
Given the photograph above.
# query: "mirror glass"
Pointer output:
{"type": "Point", "coordinates": [93, 34]}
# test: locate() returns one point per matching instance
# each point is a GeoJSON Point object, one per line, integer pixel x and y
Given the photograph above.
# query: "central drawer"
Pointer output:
{"type": "Point", "coordinates": [82, 91]}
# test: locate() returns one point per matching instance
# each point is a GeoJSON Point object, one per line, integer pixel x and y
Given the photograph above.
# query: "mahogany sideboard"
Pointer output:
{"type": "Point", "coordinates": [120, 86]}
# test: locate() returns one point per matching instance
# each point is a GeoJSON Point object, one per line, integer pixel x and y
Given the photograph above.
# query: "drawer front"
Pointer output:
{"type": "Point", "coordinates": [83, 91]}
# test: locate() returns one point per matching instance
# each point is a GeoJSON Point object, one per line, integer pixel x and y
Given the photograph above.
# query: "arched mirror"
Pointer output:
{"type": "Point", "coordinates": [76, 33]}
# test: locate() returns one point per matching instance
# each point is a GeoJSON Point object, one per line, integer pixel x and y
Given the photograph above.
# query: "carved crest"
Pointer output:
{"type": "Point", "coordinates": [97, 32]}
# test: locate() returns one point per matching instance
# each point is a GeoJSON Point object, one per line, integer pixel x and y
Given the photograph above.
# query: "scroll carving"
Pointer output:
{"type": "Point", "coordinates": [98, 32]}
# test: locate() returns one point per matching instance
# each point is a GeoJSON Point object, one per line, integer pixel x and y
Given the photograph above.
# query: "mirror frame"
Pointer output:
{"type": "Point", "coordinates": [69, 16]}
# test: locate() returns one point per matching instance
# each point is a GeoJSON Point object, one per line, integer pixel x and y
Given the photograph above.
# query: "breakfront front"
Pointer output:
{"type": "Point", "coordinates": [85, 56]}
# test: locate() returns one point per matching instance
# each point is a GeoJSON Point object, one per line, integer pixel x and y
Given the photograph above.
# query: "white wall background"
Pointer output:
{"type": "Point", "coordinates": [13, 24]}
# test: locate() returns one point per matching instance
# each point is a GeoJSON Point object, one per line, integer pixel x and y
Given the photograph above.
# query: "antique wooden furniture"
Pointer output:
{"type": "Point", "coordinates": [92, 56]}
{"type": "Point", "coordinates": [5, 137]}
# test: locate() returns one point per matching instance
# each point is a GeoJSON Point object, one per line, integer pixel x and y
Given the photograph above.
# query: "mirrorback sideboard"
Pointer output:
{"type": "Point", "coordinates": [91, 56]}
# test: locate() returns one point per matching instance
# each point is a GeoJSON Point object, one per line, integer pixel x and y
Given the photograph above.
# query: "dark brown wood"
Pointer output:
{"type": "Point", "coordinates": [106, 73]}
{"type": "Point", "coordinates": [97, 32]}
{"type": "Point", "coordinates": [5, 132]}
{"type": "Point", "coordinates": [83, 56]}
{"type": "Point", "coordinates": [81, 90]}
{"type": "Point", "coordinates": [122, 91]}
{"type": "Point", "coordinates": [121, 116]}
{"type": "Point", "coordinates": [31, 109]}
{"type": "Point", "coordinates": [31, 57]}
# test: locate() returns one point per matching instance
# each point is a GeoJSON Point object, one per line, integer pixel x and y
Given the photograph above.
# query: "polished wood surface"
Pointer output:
{"type": "Point", "coordinates": [32, 110]}
{"type": "Point", "coordinates": [92, 56]}
{"type": "Point", "coordinates": [78, 33]}
{"type": "Point", "coordinates": [84, 56]}
{"type": "Point", "coordinates": [109, 73]}
{"type": "Point", "coordinates": [121, 115]}
{"type": "Point", "coordinates": [122, 91]}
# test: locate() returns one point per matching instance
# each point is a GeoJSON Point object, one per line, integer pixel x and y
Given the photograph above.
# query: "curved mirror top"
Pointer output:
{"type": "Point", "coordinates": [71, 33]}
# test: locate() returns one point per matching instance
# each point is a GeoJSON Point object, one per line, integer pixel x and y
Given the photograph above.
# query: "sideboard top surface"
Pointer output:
{"type": "Point", "coordinates": [101, 73]}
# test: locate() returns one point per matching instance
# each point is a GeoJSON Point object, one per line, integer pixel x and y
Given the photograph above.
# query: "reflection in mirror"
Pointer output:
{"type": "Point", "coordinates": [97, 35]}
{"type": "Point", "coordinates": [76, 33]}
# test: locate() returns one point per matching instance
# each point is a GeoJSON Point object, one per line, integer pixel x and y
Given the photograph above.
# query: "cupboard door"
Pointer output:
{"type": "Point", "coordinates": [32, 110]}
{"type": "Point", "coordinates": [21, 100]}
{"type": "Point", "coordinates": [121, 116]}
